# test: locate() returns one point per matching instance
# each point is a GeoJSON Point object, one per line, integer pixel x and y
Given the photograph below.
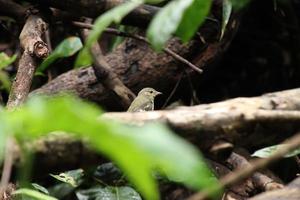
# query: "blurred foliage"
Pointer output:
{"type": "Point", "coordinates": [136, 150]}
{"type": "Point", "coordinates": [30, 194]}
{"type": "Point", "coordinates": [180, 16]}
{"type": "Point", "coordinates": [5, 61]}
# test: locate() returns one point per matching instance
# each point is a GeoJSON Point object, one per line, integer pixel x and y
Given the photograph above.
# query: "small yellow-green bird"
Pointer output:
{"type": "Point", "coordinates": [144, 101]}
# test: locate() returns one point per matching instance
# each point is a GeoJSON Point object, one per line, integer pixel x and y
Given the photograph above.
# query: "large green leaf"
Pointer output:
{"type": "Point", "coordinates": [164, 149]}
{"type": "Point", "coordinates": [180, 16]}
{"type": "Point", "coordinates": [136, 150]}
{"type": "Point", "coordinates": [108, 193]}
{"type": "Point", "coordinates": [66, 48]}
{"type": "Point", "coordinates": [114, 15]}
{"type": "Point", "coordinates": [5, 60]}
{"type": "Point", "coordinates": [268, 151]}
{"type": "Point", "coordinates": [193, 17]}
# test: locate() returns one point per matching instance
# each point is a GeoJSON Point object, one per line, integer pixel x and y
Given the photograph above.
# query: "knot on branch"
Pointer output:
{"type": "Point", "coordinates": [40, 49]}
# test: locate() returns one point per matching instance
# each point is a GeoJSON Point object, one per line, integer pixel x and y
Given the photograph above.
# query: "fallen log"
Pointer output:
{"type": "Point", "coordinates": [246, 122]}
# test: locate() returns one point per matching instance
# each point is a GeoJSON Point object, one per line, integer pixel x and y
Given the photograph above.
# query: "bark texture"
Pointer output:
{"type": "Point", "coordinates": [33, 47]}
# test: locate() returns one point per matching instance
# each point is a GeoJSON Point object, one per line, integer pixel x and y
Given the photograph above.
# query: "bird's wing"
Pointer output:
{"type": "Point", "coordinates": [144, 104]}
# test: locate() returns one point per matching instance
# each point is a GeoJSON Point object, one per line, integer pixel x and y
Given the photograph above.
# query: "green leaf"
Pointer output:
{"type": "Point", "coordinates": [4, 130]}
{"type": "Point", "coordinates": [72, 177]}
{"type": "Point", "coordinates": [193, 17]}
{"type": "Point", "coordinates": [180, 16]}
{"type": "Point", "coordinates": [5, 60]}
{"type": "Point", "coordinates": [164, 149]}
{"type": "Point", "coordinates": [84, 58]}
{"type": "Point", "coordinates": [34, 194]}
{"type": "Point", "coordinates": [239, 4]}
{"type": "Point", "coordinates": [5, 80]}
{"type": "Point", "coordinates": [114, 15]}
{"type": "Point", "coordinates": [136, 150]}
{"type": "Point", "coordinates": [116, 41]}
{"type": "Point", "coordinates": [68, 47]}
{"type": "Point", "coordinates": [109, 193]}
{"type": "Point", "coordinates": [227, 8]}
{"type": "Point", "coordinates": [108, 173]}
{"type": "Point", "coordinates": [268, 151]}
{"type": "Point", "coordinates": [40, 188]}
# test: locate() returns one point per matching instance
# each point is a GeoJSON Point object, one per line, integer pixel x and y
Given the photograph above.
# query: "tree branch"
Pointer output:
{"type": "Point", "coordinates": [34, 47]}
{"type": "Point", "coordinates": [140, 17]}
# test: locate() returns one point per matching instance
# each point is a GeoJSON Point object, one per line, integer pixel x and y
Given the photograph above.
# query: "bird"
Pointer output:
{"type": "Point", "coordinates": [144, 101]}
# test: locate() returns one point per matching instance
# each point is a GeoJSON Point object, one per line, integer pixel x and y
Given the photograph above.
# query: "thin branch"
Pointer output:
{"type": "Point", "coordinates": [143, 39]}
{"type": "Point", "coordinates": [173, 91]}
{"type": "Point", "coordinates": [292, 144]}
{"type": "Point", "coordinates": [261, 181]}
{"type": "Point", "coordinates": [141, 16]}
{"type": "Point", "coordinates": [8, 162]}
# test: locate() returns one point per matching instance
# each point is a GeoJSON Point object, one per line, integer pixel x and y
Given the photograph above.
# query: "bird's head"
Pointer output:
{"type": "Point", "coordinates": [149, 92]}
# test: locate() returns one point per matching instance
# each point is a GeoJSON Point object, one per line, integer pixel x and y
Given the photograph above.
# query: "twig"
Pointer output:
{"type": "Point", "coordinates": [107, 76]}
{"type": "Point", "coordinates": [48, 40]}
{"type": "Point", "coordinates": [240, 174]}
{"type": "Point", "coordinates": [173, 91]}
{"type": "Point", "coordinates": [8, 162]}
{"type": "Point", "coordinates": [194, 99]}
{"type": "Point", "coordinates": [143, 39]}
{"type": "Point", "coordinates": [259, 180]}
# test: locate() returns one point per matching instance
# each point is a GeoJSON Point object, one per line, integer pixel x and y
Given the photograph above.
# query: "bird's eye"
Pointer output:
{"type": "Point", "coordinates": [151, 92]}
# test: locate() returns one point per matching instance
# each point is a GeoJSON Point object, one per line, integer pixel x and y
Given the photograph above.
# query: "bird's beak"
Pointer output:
{"type": "Point", "coordinates": [158, 93]}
